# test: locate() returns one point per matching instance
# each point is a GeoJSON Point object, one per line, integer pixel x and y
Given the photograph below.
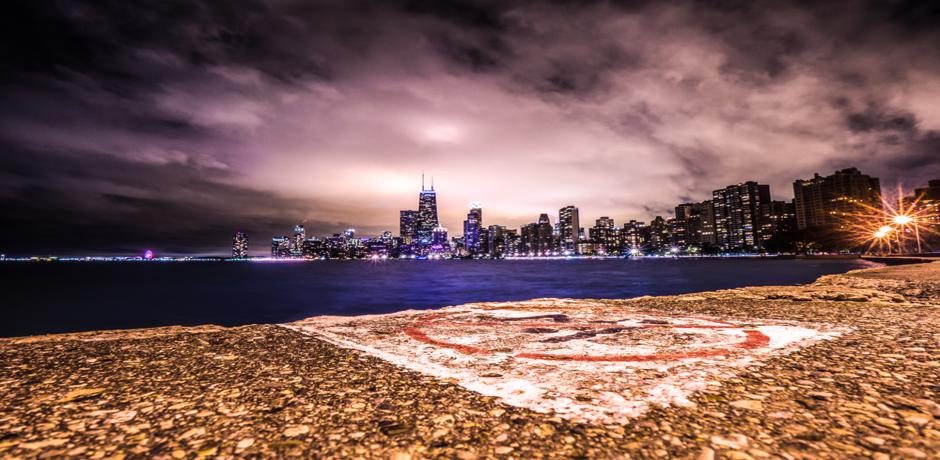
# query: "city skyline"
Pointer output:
{"type": "Point", "coordinates": [169, 125]}
{"type": "Point", "coordinates": [845, 211]}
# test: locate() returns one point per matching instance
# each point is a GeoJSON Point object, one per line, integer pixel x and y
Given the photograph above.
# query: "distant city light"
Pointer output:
{"type": "Point", "coordinates": [148, 254]}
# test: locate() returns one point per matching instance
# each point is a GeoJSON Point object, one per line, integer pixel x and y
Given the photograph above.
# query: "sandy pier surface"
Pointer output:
{"type": "Point", "coordinates": [744, 384]}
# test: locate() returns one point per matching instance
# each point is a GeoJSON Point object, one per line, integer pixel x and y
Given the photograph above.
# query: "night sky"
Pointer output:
{"type": "Point", "coordinates": [170, 124]}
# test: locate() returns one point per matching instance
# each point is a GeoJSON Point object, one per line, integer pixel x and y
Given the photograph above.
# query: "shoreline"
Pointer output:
{"type": "Point", "coordinates": [57, 259]}
{"type": "Point", "coordinates": [268, 390]}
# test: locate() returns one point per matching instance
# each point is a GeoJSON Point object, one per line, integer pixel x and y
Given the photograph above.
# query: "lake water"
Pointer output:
{"type": "Point", "coordinates": [79, 296]}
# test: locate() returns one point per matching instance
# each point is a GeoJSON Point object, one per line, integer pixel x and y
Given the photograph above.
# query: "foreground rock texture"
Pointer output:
{"type": "Point", "coordinates": [264, 391]}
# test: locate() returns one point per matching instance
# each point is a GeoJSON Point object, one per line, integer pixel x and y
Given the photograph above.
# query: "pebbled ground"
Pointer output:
{"type": "Point", "coordinates": [268, 391]}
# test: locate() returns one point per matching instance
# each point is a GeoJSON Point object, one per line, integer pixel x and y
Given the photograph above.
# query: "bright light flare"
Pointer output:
{"type": "Point", "coordinates": [895, 226]}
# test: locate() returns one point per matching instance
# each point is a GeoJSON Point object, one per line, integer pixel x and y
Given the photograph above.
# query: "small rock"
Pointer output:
{"type": "Point", "coordinates": [123, 416]}
{"type": "Point", "coordinates": [399, 455]}
{"type": "Point", "coordinates": [390, 428]}
{"type": "Point", "coordinates": [245, 443]}
{"type": "Point", "coordinates": [732, 441]}
{"type": "Point", "coordinates": [918, 419]}
{"type": "Point", "coordinates": [445, 419]}
{"type": "Point", "coordinates": [873, 441]}
{"type": "Point", "coordinates": [739, 455]}
{"type": "Point", "coordinates": [757, 453]}
{"type": "Point", "coordinates": [545, 430]}
{"type": "Point", "coordinates": [910, 452]}
{"type": "Point", "coordinates": [193, 432]}
{"type": "Point", "coordinates": [503, 450]}
{"type": "Point", "coordinates": [82, 393]}
{"type": "Point", "coordinates": [820, 395]}
{"type": "Point", "coordinates": [44, 443]}
{"type": "Point", "coordinates": [207, 452]}
{"type": "Point", "coordinates": [295, 431]}
{"type": "Point", "coordinates": [707, 453]}
{"type": "Point", "coordinates": [748, 404]}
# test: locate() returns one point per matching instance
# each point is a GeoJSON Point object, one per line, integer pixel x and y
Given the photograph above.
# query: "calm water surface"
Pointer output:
{"type": "Point", "coordinates": [61, 297]}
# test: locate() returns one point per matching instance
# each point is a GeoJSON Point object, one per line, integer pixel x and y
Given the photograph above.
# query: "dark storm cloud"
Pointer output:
{"type": "Point", "coordinates": [128, 206]}
{"type": "Point", "coordinates": [171, 124]}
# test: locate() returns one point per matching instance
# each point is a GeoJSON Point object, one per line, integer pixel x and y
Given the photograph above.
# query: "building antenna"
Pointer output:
{"type": "Point", "coordinates": [432, 183]}
{"type": "Point", "coordinates": [422, 181]}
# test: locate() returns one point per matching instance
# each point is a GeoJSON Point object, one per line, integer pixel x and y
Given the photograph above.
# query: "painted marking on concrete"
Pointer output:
{"type": "Point", "coordinates": [584, 360]}
{"type": "Point", "coordinates": [754, 338]}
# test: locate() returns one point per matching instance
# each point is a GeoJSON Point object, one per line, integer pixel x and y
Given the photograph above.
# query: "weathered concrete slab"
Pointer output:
{"type": "Point", "coordinates": [870, 389]}
{"type": "Point", "coordinates": [583, 360]}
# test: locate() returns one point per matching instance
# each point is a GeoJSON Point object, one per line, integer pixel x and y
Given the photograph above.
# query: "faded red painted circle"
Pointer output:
{"type": "Point", "coordinates": [754, 339]}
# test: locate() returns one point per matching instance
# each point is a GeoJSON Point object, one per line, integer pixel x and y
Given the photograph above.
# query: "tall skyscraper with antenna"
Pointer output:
{"type": "Point", "coordinates": [427, 213]}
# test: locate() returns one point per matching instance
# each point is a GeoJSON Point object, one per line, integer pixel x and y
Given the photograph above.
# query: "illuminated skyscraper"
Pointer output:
{"type": "Point", "coordinates": [427, 213]}
{"type": "Point", "coordinates": [828, 201]}
{"type": "Point", "coordinates": [471, 228]}
{"type": "Point", "coordinates": [695, 225]}
{"type": "Point", "coordinates": [536, 238]}
{"type": "Point", "coordinates": [659, 236]}
{"type": "Point", "coordinates": [497, 241]}
{"type": "Point", "coordinates": [777, 218]}
{"type": "Point", "coordinates": [635, 236]}
{"type": "Point", "coordinates": [280, 246]}
{"type": "Point", "coordinates": [737, 215]}
{"type": "Point", "coordinates": [240, 245]}
{"type": "Point", "coordinates": [570, 227]}
{"type": "Point", "coordinates": [605, 236]}
{"type": "Point", "coordinates": [408, 227]}
{"type": "Point", "coordinates": [297, 241]}
{"type": "Point", "coordinates": [439, 243]}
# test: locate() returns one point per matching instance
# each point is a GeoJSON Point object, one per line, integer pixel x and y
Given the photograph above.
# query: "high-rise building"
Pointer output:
{"type": "Point", "coordinates": [536, 238]}
{"type": "Point", "coordinates": [695, 225]}
{"type": "Point", "coordinates": [569, 225]}
{"type": "Point", "coordinates": [829, 201]}
{"type": "Point", "coordinates": [439, 243]}
{"type": "Point", "coordinates": [297, 241]}
{"type": "Point", "coordinates": [511, 242]}
{"type": "Point", "coordinates": [777, 218]}
{"type": "Point", "coordinates": [471, 229]}
{"type": "Point", "coordinates": [497, 242]}
{"type": "Point", "coordinates": [313, 248]}
{"type": "Point", "coordinates": [240, 245]}
{"type": "Point", "coordinates": [280, 247]}
{"type": "Point", "coordinates": [635, 236]}
{"type": "Point", "coordinates": [924, 206]}
{"type": "Point", "coordinates": [737, 215]}
{"type": "Point", "coordinates": [659, 236]}
{"type": "Point", "coordinates": [427, 213]}
{"type": "Point", "coordinates": [604, 236]}
{"type": "Point", "coordinates": [408, 227]}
